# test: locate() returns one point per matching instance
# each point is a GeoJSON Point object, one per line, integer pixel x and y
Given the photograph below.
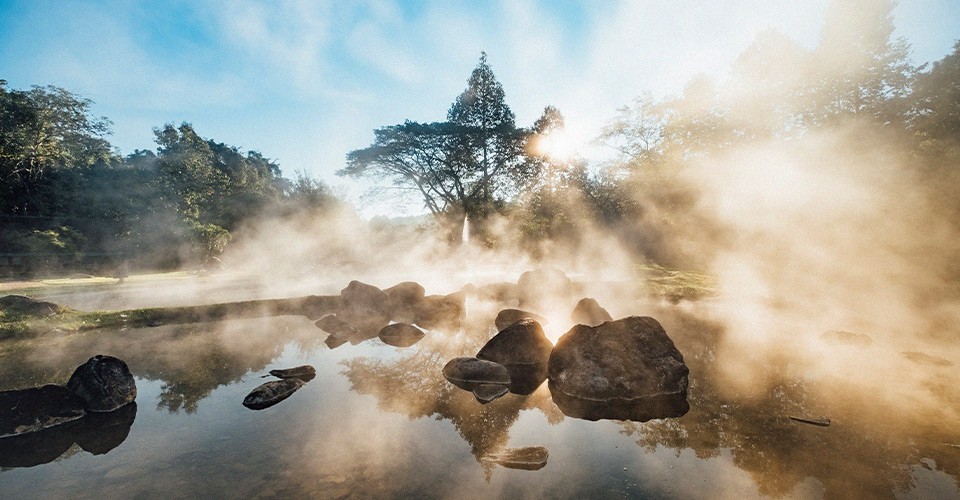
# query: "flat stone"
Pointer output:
{"type": "Point", "coordinates": [304, 372]}
{"type": "Point", "coordinates": [467, 373]}
{"type": "Point", "coordinates": [271, 393]}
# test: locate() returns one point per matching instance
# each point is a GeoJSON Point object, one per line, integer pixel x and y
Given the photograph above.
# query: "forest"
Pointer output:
{"type": "Point", "coordinates": [70, 201]}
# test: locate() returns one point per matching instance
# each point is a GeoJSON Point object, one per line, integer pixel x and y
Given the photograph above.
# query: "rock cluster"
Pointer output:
{"type": "Point", "coordinates": [101, 385]}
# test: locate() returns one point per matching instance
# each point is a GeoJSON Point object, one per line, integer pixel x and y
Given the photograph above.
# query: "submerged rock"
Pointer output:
{"type": "Point", "coordinates": [440, 312]}
{"type": "Point", "coordinates": [304, 372]}
{"type": "Point", "coordinates": [271, 393]}
{"type": "Point", "coordinates": [840, 337]}
{"type": "Point", "coordinates": [403, 299]}
{"type": "Point", "coordinates": [400, 335]}
{"type": "Point", "coordinates": [363, 306]}
{"type": "Point", "coordinates": [922, 358]}
{"type": "Point", "coordinates": [468, 373]}
{"type": "Point", "coordinates": [589, 312]}
{"type": "Point", "coordinates": [529, 458]}
{"type": "Point", "coordinates": [537, 288]}
{"type": "Point", "coordinates": [31, 410]}
{"type": "Point", "coordinates": [486, 393]}
{"type": "Point", "coordinates": [103, 383]}
{"type": "Point", "coordinates": [627, 369]}
{"type": "Point", "coordinates": [508, 317]}
{"type": "Point", "coordinates": [27, 306]}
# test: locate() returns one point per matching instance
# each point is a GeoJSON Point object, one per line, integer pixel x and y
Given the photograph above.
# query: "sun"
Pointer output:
{"type": "Point", "coordinates": [558, 145]}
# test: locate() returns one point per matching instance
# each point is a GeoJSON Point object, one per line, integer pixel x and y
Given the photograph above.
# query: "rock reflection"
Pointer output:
{"type": "Point", "coordinates": [96, 433]}
{"type": "Point", "coordinates": [415, 387]}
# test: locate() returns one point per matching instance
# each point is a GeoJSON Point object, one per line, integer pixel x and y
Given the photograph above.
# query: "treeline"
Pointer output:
{"type": "Point", "coordinates": [68, 200]}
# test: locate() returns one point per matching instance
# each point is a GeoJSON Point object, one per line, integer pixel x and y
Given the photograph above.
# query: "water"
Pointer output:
{"type": "Point", "coordinates": [381, 421]}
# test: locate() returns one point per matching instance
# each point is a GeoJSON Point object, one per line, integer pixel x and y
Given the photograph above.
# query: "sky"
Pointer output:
{"type": "Point", "coordinates": [305, 82]}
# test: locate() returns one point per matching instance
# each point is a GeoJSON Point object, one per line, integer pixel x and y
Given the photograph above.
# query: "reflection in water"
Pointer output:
{"type": "Point", "coordinates": [639, 409]}
{"type": "Point", "coordinates": [863, 453]}
{"type": "Point", "coordinates": [96, 433]}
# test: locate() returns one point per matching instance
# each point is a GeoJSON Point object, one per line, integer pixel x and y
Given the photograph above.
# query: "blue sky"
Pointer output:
{"type": "Point", "coordinates": [305, 82]}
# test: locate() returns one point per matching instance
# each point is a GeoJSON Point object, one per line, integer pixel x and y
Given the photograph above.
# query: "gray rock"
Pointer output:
{"type": "Point", "coordinates": [103, 383]}
{"type": "Point", "coordinates": [468, 373]}
{"type": "Point", "coordinates": [589, 312]}
{"type": "Point", "coordinates": [304, 372]}
{"type": "Point", "coordinates": [400, 335]}
{"type": "Point", "coordinates": [22, 305]}
{"type": "Point", "coordinates": [403, 299]}
{"type": "Point", "coordinates": [271, 393]}
{"type": "Point", "coordinates": [508, 317]}
{"type": "Point", "coordinates": [486, 393]}
{"type": "Point", "coordinates": [30, 410]}
{"type": "Point", "coordinates": [363, 306]}
{"type": "Point", "coordinates": [524, 350]}
{"type": "Point", "coordinates": [627, 369]}
{"type": "Point", "coordinates": [529, 458]}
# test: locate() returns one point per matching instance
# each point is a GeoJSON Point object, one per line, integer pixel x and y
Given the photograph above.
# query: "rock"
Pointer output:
{"type": "Point", "coordinates": [524, 350]}
{"type": "Point", "coordinates": [400, 335]}
{"type": "Point", "coordinates": [334, 341]}
{"type": "Point", "coordinates": [522, 342]}
{"type": "Point", "coordinates": [589, 312]}
{"type": "Point", "coordinates": [508, 317]}
{"type": "Point", "coordinates": [839, 337]}
{"type": "Point", "coordinates": [926, 359]}
{"type": "Point", "coordinates": [537, 289]}
{"type": "Point", "coordinates": [403, 299]}
{"type": "Point", "coordinates": [271, 393]}
{"type": "Point", "coordinates": [363, 306]}
{"type": "Point", "coordinates": [304, 372]}
{"type": "Point", "coordinates": [486, 393]}
{"type": "Point", "coordinates": [468, 373]}
{"type": "Point", "coordinates": [104, 383]}
{"type": "Point", "coordinates": [332, 324]}
{"type": "Point", "coordinates": [31, 410]}
{"type": "Point", "coordinates": [529, 458]}
{"type": "Point", "coordinates": [21, 305]}
{"type": "Point", "coordinates": [505, 293]}
{"type": "Point", "coordinates": [627, 369]}
{"type": "Point", "coordinates": [439, 312]}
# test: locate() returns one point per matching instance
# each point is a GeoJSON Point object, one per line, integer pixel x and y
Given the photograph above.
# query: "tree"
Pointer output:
{"type": "Point", "coordinates": [466, 166]}
{"type": "Point", "coordinates": [44, 129]}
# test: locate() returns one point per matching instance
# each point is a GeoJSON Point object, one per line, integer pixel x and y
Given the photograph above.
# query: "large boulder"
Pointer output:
{"type": "Point", "coordinates": [271, 393]}
{"type": "Point", "coordinates": [103, 383]}
{"type": "Point", "coordinates": [403, 299]}
{"type": "Point", "coordinates": [363, 306]}
{"type": "Point", "coordinates": [30, 410]}
{"type": "Point", "coordinates": [524, 350]}
{"type": "Point", "coordinates": [540, 288]}
{"type": "Point", "coordinates": [508, 317]}
{"type": "Point", "coordinates": [469, 373]}
{"type": "Point", "coordinates": [21, 305]}
{"type": "Point", "coordinates": [440, 312]}
{"type": "Point", "coordinates": [400, 335]}
{"type": "Point", "coordinates": [627, 369]}
{"type": "Point", "coordinates": [589, 312]}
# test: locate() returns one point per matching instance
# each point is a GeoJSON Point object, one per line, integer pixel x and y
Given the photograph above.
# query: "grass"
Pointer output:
{"type": "Point", "coordinates": [675, 285]}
